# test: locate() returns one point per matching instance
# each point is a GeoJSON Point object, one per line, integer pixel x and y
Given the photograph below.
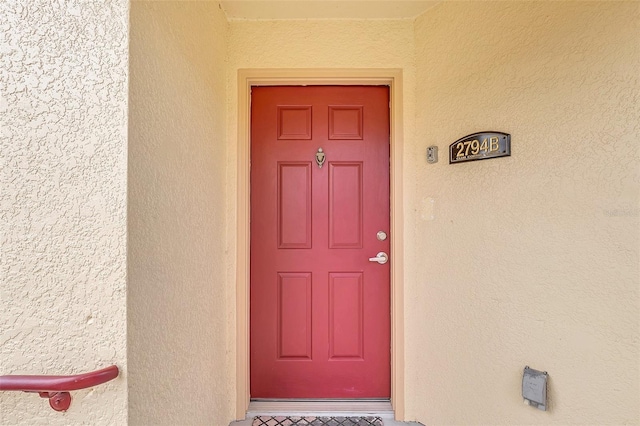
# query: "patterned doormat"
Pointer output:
{"type": "Point", "coordinates": [316, 421]}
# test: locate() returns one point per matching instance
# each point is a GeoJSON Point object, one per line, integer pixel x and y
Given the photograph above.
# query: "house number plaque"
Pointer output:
{"type": "Point", "coordinates": [480, 146]}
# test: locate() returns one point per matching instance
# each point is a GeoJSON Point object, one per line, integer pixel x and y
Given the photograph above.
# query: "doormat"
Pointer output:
{"type": "Point", "coordinates": [316, 421]}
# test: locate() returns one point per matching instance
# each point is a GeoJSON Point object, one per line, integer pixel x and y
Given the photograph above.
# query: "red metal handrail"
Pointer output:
{"type": "Point", "coordinates": [57, 388]}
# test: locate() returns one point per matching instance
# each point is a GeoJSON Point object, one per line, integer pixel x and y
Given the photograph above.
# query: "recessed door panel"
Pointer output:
{"type": "Point", "coordinates": [345, 122]}
{"type": "Point", "coordinates": [294, 315]}
{"type": "Point", "coordinates": [346, 315]}
{"type": "Point", "coordinates": [294, 122]}
{"type": "Point", "coordinates": [294, 205]}
{"type": "Point", "coordinates": [345, 205]}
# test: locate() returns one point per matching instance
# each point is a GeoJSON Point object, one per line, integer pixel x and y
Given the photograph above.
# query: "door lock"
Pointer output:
{"type": "Point", "coordinates": [381, 258]}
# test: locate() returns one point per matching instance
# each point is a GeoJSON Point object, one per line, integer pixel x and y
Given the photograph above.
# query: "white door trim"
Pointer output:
{"type": "Point", "coordinates": [300, 77]}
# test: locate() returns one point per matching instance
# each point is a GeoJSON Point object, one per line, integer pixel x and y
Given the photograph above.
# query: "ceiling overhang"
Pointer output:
{"type": "Point", "coordinates": [324, 9]}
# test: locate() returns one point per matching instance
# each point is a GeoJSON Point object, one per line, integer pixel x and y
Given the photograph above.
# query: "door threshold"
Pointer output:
{"type": "Point", "coordinates": [321, 407]}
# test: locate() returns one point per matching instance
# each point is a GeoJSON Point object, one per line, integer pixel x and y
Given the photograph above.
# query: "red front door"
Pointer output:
{"type": "Point", "coordinates": [320, 312]}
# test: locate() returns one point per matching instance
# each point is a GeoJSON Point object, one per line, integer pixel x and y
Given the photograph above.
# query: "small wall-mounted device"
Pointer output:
{"type": "Point", "coordinates": [534, 388]}
{"type": "Point", "coordinates": [432, 154]}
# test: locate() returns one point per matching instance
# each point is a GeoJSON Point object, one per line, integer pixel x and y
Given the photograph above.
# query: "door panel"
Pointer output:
{"type": "Point", "coordinates": [346, 315]}
{"type": "Point", "coordinates": [294, 315]}
{"type": "Point", "coordinates": [345, 205]}
{"type": "Point", "coordinates": [320, 312]}
{"type": "Point", "coordinates": [294, 205]}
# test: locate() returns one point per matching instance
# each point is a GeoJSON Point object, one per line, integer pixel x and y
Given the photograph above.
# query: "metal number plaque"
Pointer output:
{"type": "Point", "coordinates": [480, 146]}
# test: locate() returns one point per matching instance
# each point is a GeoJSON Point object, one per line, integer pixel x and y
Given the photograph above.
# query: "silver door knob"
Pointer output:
{"type": "Point", "coordinates": [381, 258]}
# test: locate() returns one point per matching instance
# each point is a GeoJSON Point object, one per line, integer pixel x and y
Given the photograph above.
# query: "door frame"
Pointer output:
{"type": "Point", "coordinates": [300, 77]}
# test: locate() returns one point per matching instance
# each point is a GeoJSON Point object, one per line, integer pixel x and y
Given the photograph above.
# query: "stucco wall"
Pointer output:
{"type": "Point", "coordinates": [532, 259]}
{"type": "Point", "coordinates": [177, 296]}
{"type": "Point", "coordinates": [63, 142]}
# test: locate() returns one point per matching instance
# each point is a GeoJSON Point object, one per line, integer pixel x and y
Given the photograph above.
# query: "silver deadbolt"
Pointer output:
{"type": "Point", "coordinates": [381, 258]}
{"type": "Point", "coordinates": [381, 235]}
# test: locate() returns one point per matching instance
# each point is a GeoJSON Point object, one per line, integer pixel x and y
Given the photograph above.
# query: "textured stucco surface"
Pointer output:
{"type": "Point", "coordinates": [532, 259]}
{"type": "Point", "coordinates": [528, 260]}
{"type": "Point", "coordinates": [63, 142]}
{"type": "Point", "coordinates": [178, 309]}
